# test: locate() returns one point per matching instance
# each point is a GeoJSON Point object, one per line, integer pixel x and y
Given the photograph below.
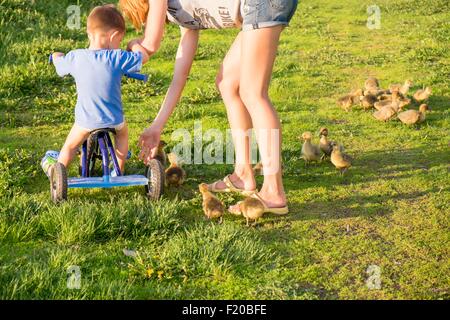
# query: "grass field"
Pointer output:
{"type": "Point", "coordinates": [391, 210]}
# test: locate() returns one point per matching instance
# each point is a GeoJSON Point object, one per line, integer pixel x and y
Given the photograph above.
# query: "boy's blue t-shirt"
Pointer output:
{"type": "Point", "coordinates": [98, 75]}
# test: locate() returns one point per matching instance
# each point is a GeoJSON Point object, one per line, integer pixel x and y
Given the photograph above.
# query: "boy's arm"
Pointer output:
{"type": "Point", "coordinates": [136, 47]}
{"type": "Point", "coordinates": [62, 63]}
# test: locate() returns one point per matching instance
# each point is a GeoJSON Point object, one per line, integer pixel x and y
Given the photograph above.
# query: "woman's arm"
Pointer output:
{"type": "Point", "coordinates": [184, 58]}
{"type": "Point", "coordinates": [187, 48]}
{"type": "Point", "coordinates": [154, 28]}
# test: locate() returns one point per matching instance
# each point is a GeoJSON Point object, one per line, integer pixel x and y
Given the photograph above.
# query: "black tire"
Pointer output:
{"type": "Point", "coordinates": [91, 155]}
{"type": "Point", "coordinates": [58, 183]}
{"type": "Point", "coordinates": [155, 175]}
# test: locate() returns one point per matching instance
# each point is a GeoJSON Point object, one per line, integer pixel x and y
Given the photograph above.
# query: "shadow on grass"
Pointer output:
{"type": "Point", "coordinates": [369, 169]}
{"type": "Point", "coordinates": [378, 169]}
{"type": "Point", "coordinates": [353, 206]}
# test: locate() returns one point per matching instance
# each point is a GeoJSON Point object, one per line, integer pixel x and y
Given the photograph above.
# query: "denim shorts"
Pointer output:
{"type": "Point", "coordinates": [258, 14]}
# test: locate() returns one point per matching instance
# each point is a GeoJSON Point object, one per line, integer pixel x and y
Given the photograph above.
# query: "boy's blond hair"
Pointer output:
{"type": "Point", "coordinates": [106, 18]}
{"type": "Point", "coordinates": [136, 11]}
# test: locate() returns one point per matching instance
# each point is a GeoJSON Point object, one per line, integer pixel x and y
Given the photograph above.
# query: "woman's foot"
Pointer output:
{"type": "Point", "coordinates": [273, 203]}
{"type": "Point", "coordinates": [244, 182]}
{"type": "Point", "coordinates": [272, 200]}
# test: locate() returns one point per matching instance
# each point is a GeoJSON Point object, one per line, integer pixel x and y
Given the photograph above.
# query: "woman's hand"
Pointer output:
{"type": "Point", "coordinates": [149, 142]}
{"type": "Point", "coordinates": [133, 43]}
{"type": "Point", "coordinates": [135, 46]}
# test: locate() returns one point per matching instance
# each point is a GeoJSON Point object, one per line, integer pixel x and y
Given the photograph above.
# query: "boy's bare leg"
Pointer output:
{"type": "Point", "coordinates": [75, 139]}
{"type": "Point", "coordinates": [121, 141]}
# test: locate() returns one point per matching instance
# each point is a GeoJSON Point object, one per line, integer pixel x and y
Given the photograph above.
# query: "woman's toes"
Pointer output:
{"type": "Point", "coordinates": [219, 185]}
{"type": "Point", "coordinates": [235, 209]}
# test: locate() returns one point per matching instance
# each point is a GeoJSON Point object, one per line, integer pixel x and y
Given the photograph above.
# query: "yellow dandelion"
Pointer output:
{"type": "Point", "coordinates": [160, 274]}
{"type": "Point", "coordinates": [150, 272]}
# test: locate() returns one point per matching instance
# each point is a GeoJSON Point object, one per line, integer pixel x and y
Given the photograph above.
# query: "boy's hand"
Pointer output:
{"type": "Point", "coordinates": [149, 142]}
{"type": "Point", "coordinates": [57, 55]}
{"type": "Point", "coordinates": [136, 46]}
{"type": "Point", "coordinates": [133, 43]}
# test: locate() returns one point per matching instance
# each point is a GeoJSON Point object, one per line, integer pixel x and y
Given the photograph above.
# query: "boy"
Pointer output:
{"type": "Point", "coordinates": [98, 72]}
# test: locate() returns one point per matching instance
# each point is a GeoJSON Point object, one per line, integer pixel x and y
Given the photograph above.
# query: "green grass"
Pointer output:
{"type": "Point", "coordinates": [391, 210]}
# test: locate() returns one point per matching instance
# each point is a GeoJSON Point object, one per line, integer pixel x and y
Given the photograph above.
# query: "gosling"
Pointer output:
{"type": "Point", "coordinates": [310, 152]}
{"type": "Point", "coordinates": [422, 95]}
{"type": "Point", "coordinates": [411, 117]}
{"type": "Point", "coordinates": [251, 209]}
{"type": "Point", "coordinates": [368, 101]}
{"type": "Point", "coordinates": [402, 88]}
{"type": "Point", "coordinates": [161, 154]}
{"type": "Point", "coordinates": [339, 159]}
{"type": "Point", "coordinates": [385, 114]}
{"type": "Point", "coordinates": [213, 208]}
{"type": "Point", "coordinates": [175, 174]}
{"type": "Point", "coordinates": [371, 83]}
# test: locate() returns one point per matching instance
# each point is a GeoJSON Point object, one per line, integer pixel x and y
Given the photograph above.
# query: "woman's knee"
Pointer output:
{"type": "Point", "coordinates": [252, 97]}
{"type": "Point", "coordinates": [227, 86]}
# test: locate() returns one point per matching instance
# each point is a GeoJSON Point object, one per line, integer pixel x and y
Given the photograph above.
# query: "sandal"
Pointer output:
{"type": "Point", "coordinates": [278, 211]}
{"type": "Point", "coordinates": [230, 187]}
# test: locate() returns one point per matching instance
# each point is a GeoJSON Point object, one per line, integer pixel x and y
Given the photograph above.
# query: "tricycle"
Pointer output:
{"type": "Point", "coordinates": [99, 146]}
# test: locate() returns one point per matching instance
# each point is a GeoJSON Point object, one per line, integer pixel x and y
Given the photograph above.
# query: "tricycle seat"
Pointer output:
{"type": "Point", "coordinates": [103, 130]}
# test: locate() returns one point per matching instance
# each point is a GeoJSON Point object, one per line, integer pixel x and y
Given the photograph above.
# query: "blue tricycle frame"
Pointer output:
{"type": "Point", "coordinates": [99, 145]}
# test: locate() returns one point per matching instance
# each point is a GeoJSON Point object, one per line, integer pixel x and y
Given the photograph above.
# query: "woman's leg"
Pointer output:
{"type": "Point", "coordinates": [258, 52]}
{"type": "Point", "coordinates": [240, 122]}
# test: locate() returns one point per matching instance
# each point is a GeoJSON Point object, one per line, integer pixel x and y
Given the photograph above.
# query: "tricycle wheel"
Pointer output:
{"type": "Point", "coordinates": [155, 175]}
{"type": "Point", "coordinates": [91, 155]}
{"type": "Point", "coordinates": [58, 182]}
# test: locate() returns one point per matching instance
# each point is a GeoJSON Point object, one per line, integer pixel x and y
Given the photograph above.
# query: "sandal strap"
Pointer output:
{"type": "Point", "coordinates": [258, 197]}
{"type": "Point", "coordinates": [280, 211]}
{"type": "Point", "coordinates": [215, 189]}
{"type": "Point", "coordinates": [233, 188]}
{"type": "Point", "coordinates": [230, 187]}
{"type": "Point", "coordinates": [228, 182]}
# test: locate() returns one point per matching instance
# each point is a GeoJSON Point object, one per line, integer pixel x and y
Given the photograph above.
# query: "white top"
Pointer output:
{"type": "Point", "coordinates": [205, 14]}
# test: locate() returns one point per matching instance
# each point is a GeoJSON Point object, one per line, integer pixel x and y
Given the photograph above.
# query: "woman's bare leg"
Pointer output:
{"type": "Point", "coordinates": [258, 52]}
{"type": "Point", "coordinates": [240, 122]}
